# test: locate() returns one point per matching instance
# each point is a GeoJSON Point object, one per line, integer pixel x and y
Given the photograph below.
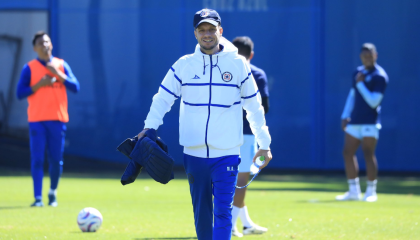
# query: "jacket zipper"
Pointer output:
{"type": "Point", "coordinates": [208, 118]}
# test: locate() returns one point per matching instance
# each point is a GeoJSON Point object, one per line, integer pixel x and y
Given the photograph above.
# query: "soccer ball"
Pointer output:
{"type": "Point", "coordinates": [89, 219]}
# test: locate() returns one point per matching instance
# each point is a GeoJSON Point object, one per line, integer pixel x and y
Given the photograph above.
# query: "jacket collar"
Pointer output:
{"type": "Point", "coordinates": [227, 49]}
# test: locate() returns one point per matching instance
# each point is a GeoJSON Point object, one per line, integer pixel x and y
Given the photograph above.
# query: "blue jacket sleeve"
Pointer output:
{"type": "Point", "coordinates": [23, 87]}
{"type": "Point", "coordinates": [262, 83]}
{"type": "Point", "coordinates": [71, 82]}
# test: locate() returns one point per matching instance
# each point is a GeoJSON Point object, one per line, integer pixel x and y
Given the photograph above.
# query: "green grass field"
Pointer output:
{"type": "Point", "coordinates": [291, 207]}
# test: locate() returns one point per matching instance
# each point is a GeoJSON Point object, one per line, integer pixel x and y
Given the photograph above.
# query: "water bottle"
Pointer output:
{"type": "Point", "coordinates": [255, 167]}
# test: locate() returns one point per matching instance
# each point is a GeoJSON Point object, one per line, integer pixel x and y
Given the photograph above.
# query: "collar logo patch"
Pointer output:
{"type": "Point", "coordinates": [204, 13]}
{"type": "Point", "coordinates": [196, 77]}
{"type": "Point", "coordinates": [227, 76]}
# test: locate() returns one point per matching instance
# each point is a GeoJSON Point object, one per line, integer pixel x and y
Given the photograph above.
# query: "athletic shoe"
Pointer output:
{"type": "Point", "coordinates": [370, 197]}
{"type": "Point", "coordinates": [236, 233]}
{"type": "Point", "coordinates": [254, 230]}
{"type": "Point", "coordinates": [37, 203]}
{"type": "Point", "coordinates": [52, 200]}
{"type": "Point", "coordinates": [349, 197]}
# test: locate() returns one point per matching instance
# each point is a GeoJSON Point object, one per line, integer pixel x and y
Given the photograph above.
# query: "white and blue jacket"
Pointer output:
{"type": "Point", "coordinates": [213, 89]}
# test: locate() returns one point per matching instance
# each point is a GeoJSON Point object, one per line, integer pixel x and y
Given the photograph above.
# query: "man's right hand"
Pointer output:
{"type": "Point", "coordinates": [141, 134]}
{"type": "Point", "coordinates": [46, 80]}
{"type": "Point", "coordinates": [344, 123]}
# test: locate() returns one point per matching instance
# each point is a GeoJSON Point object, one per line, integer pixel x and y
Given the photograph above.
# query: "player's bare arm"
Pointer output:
{"type": "Point", "coordinates": [344, 123]}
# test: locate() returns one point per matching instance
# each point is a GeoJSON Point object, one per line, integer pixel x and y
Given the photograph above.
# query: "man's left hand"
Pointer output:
{"type": "Point", "coordinates": [56, 71]}
{"type": "Point", "coordinates": [53, 69]}
{"type": "Point", "coordinates": [267, 157]}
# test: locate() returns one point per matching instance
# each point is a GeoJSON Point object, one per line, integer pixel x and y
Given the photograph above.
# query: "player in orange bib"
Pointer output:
{"type": "Point", "coordinates": [44, 82]}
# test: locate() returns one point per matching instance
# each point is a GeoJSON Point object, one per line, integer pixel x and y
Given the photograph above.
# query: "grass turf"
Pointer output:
{"type": "Point", "coordinates": [291, 207]}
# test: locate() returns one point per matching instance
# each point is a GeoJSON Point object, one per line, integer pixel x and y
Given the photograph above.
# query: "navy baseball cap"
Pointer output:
{"type": "Point", "coordinates": [207, 15]}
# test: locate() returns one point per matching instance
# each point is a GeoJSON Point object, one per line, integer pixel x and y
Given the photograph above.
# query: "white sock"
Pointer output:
{"type": "Point", "coordinates": [354, 186]}
{"type": "Point", "coordinates": [246, 220]}
{"type": "Point", "coordinates": [38, 198]}
{"type": "Point", "coordinates": [371, 187]}
{"type": "Point", "coordinates": [235, 213]}
{"type": "Point", "coordinates": [52, 192]}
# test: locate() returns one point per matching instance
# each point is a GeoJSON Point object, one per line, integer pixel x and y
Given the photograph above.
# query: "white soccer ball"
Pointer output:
{"type": "Point", "coordinates": [89, 219]}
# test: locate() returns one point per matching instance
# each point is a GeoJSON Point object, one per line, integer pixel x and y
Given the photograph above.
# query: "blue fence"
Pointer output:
{"type": "Point", "coordinates": [121, 50]}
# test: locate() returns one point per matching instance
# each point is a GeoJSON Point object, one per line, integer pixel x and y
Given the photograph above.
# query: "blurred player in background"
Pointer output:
{"type": "Point", "coordinates": [249, 148]}
{"type": "Point", "coordinates": [212, 82]}
{"type": "Point", "coordinates": [43, 82]}
{"type": "Point", "coordinates": [361, 122]}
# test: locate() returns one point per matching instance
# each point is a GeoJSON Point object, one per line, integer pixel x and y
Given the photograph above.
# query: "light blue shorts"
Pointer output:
{"type": "Point", "coordinates": [248, 150]}
{"type": "Point", "coordinates": [360, 131]}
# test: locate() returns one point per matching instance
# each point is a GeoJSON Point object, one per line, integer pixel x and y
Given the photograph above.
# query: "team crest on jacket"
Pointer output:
{"type": "Point", "coordinates": [204, 13]}
{"type": "Point", "coordinates": [227, 76]}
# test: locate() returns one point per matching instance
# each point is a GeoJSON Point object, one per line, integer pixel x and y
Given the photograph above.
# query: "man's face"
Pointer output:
{"type": "Point", "coordinates": [368, 58]}
{"type": "Point", "coordinates": [208, 35]}
{"type": "Point", "coordinates": [43, 46]}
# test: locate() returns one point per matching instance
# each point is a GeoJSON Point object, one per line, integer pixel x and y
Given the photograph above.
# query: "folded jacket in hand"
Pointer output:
{"type": "Point", "coordinates": [149, 152]}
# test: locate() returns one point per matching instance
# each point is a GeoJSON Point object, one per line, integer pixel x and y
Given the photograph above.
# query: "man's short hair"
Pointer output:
{"type": "Point", "coordinates": [245, 46]}
{"type": "Point", "coordinates": [38, 35]}
{"type": "Point", "coordinates": [368, 47]}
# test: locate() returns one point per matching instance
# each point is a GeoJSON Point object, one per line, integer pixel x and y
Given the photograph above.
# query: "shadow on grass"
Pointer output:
{"type": "Point", "coordinates": [387, 187]}
{"type": "Point", "coordinates": [164, 238]}
{"type": "Point", "coordinates": [13, 207]}
{"type": "Point", "coordinates": [316, 201]}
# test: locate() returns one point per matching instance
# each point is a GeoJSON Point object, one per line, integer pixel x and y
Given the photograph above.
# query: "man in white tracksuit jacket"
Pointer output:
{"type": "Point", "coordinates": [214, 83]}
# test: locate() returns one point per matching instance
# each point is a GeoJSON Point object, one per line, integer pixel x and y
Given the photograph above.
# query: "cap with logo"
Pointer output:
{"type": "Point", "coordinates": [207, 15]}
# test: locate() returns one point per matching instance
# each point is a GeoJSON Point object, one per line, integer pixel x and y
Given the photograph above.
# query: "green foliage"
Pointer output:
{"type": "Point", "coordinates": [291, 207]}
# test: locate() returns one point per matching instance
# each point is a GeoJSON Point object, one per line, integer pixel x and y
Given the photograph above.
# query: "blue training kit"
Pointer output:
{"type": "Point", "coordinates": [48, 134]}
{"type": "Point", "coordinates": [210, 177]}
{"type": "Point", "coordinates": [376, 81]}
